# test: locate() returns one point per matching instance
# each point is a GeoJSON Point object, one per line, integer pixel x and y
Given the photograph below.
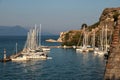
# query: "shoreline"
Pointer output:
{"type": "Point", "coordinates": [52, 40]}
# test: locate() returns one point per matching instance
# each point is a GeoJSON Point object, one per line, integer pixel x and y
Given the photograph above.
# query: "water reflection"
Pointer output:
{"type": "Point", "coordinates": [92, 64]}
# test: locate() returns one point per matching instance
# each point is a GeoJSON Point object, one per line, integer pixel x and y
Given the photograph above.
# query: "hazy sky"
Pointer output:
{"type": "Point", "coordinates": [54, 15]}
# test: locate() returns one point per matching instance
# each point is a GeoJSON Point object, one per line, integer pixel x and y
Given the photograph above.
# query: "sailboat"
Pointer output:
{"type": "Point", "coordinates": [103, 48]}
{"type": "Point", "coordinates": [93, 42]}
{"type": "Point", "coordinates": [97, 50]}
{"type": "Point", "coordinates": [106, 44]}
{"type": "Point", "coordinates": [32, 49]}
{"type": "Point", "coordinates": [19, 58]}
{"type": "Point", "coordinates": [44, 48]}
{"type": "Point", "coordinates": [33, 46]}
{"type": "Point", "coordinates": [84, 47]}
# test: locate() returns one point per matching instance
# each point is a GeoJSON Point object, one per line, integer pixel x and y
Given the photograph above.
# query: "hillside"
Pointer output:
{"type": "Point", "coordinates": [109, 17]}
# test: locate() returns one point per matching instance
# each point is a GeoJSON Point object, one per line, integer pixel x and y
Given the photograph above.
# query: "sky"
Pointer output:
{"type": "Point", "coordinates": [55, 16]}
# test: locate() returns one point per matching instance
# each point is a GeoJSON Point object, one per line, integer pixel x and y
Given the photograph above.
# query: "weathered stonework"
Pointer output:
{"type": "Point", "coordinates": [112, 71]}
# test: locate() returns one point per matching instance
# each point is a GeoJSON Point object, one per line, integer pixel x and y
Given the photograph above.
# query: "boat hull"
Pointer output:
{"type": "Point", "coordinates": [24, 58]}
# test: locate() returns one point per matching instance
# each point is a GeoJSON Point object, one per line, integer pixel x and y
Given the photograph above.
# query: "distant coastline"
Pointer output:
{"type": "Point", "coordinates": [19, 31]}
{"type": "Point", "coordinates": [52, 40]}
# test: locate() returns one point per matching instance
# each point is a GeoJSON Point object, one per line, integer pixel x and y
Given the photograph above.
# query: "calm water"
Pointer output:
{"type": "Point", "coordinates": [65, 64]}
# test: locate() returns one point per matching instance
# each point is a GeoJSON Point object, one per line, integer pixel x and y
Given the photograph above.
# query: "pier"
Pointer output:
{"type": "Point", "coordinates": [112, 71]}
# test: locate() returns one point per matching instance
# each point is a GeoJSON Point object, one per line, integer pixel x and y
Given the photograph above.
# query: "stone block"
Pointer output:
{"type": "Point", "coordinates": [108, 71]}
{"type": "Point", "coordinates": [112, 71]}
{"type": "Point", "coordinates": [109, 66]}
{"type": "Point", "coordinates": [112, 55]}
{"type": "Point", "coordinates": [117, 59]}
{"type": "Point", "coordinates": [110, 59]}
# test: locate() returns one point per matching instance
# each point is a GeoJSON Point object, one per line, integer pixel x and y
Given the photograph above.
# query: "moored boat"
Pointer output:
{"type": "Point", "coordinates": [32, 48]}
{"type": "Point", "coordinates": [20, 58]}
{"type": "Point", "coordinates": [45, 48]}
{"type": "Point", "coordinates": [84, 48]}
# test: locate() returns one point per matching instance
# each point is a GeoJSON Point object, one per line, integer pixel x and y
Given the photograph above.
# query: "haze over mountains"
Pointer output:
{"type": "Point", "coordinates": [16, 31]}
{"type": "Point", "coordinates": [12, 31]}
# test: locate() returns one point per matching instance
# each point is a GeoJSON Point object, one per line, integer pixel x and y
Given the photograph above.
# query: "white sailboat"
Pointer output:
{"type": "Point", "coordinates": [84, 47]}
{"type": "Point", "coordinates": [20, 58]}
{"type": "Point", "coordinates": [43, 47]}
{"type": "Point", "coordinates": [33, 45]}
{"type": "Point", "coordinates": [32, 48]}
{"type": "Point", "coordinates": [103, 48]}
{"type": "Point", "coordinates": [96, 50]}
{"type": "Point", "coordinates": [106, 43]}
{"type": "Point", "coordinates": [99, 50]}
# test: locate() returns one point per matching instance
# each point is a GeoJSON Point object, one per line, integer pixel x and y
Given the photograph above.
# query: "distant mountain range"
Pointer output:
{"type": "Point", "coordinates": [16, 31]}
{"type": "Point", "coordinates": [12, 31]}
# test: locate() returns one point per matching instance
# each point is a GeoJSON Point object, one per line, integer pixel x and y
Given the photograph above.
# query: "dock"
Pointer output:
{"type": "Point", "coordinates": [60, 46]}
{"type": "Point", "coordinates": [112, 71]}
{"type": "Point", "coordinates": [5, 60]}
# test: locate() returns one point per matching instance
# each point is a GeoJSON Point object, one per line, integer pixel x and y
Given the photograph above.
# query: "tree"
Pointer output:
{"type": "Point", "coordinates": [84, 25]}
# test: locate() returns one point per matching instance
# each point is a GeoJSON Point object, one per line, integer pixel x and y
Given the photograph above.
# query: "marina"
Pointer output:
{"type": "Point", "coordinates": [62, 63]}
{"type": "Point", "coordinates": [75, 41]}
{"type": "Point", "coordinates": [48, 49]}
{"type": "Point", "coordinates": [35, 53]}
{"type": "Point", "coordinates": [65, 52]}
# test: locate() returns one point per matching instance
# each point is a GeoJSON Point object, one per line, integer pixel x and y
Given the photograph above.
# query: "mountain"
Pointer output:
{"type": "Point", "coordinates": [17, 31]}
{"type": "Point", "coordinates": [12, 31]}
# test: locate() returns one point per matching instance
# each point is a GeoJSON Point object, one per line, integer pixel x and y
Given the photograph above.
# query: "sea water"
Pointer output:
{"type": "Point", "coordinates": [65, 64]}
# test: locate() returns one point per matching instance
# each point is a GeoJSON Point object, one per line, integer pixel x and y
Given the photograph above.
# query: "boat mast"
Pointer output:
{"type": "Point", "coordinates": [93, 43]}
{"type": "Point", "coordinates": [40, 36]}
{"type": "Point", "coordinates": [28, 41]}
{"type": "Point", "coordinates": [106, 38]}
{"type": "Point", "coordinates": [84, 36]}
{"type": "Point", "coordinates": [16, 48]}
{"type": "Point", "coordinates": [36, 37]}
{"type": "Point", "coordinates": [101, 38]}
